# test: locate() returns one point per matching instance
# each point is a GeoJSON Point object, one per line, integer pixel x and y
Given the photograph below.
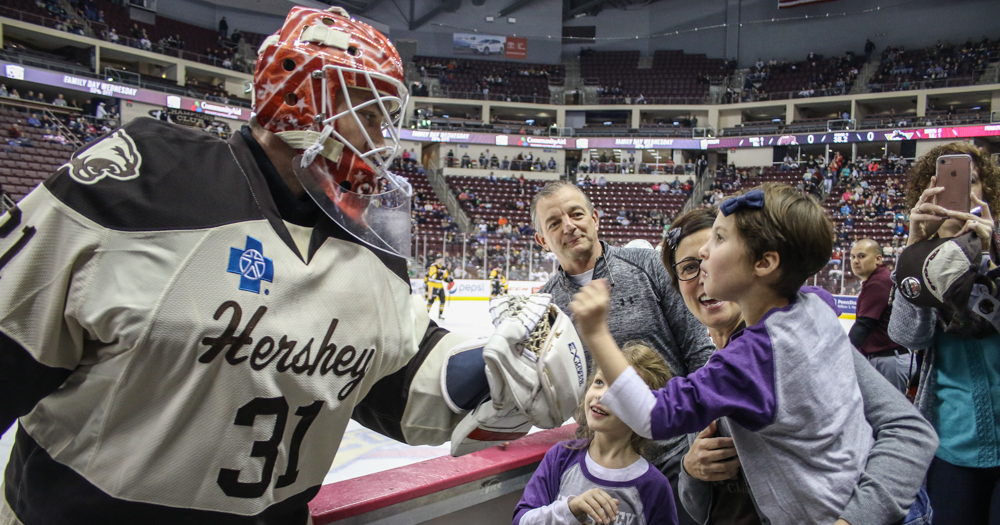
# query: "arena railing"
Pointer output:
{"type": "Point", "coordinates": [497, 97]}
{"type": "Point", "coordinates": [923, 84]}
{"type": "Point", "coordinates": [483, 487]}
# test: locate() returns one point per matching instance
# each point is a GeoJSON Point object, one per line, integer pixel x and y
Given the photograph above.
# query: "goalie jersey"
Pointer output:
{"type": "Point", "coordinates": [173, 355]}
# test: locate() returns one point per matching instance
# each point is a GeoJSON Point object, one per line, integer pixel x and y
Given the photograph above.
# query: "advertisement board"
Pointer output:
{"type": "Point", "coordinates": [847, 304]}
{"type": "Point", "coordinates": [847, 137]}
{"type": "Point", "coordinates": [476, 289]}
{"type": "Point", "coordinates": [122, 91]}
{"type": "Point", "coordinates": [511, 47]}
{"type": "Point", "coordinates": [476, 44]}
{"type": "Point", "coordinates": [517, 48]}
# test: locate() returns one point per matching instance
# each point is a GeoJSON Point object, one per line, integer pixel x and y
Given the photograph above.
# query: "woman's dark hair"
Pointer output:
{"type": "Point", "coordinates": [919, 176]}
{"type": "Point", "coordinates": [687, 224]}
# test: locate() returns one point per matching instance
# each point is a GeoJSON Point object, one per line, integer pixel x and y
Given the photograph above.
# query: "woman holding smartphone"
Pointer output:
{"type": "Point", "coordinates": [711, 484]}
{"type": "Point", "coordinates": [960, 376]}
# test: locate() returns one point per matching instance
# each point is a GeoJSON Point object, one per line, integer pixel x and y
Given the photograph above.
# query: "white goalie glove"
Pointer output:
{"type": "Point", "coordinates": [538, 356]}
{"type": "Point", "coordinates": [535, 368]}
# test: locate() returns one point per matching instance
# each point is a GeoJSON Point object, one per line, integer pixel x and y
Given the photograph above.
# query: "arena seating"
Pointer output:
{"type": "Point", "coordinates": [675, 77]}
{"type": "Point", "coordinates": [943, 65]}
{"type": "Point", "coordinates": [23, 168]}
{"type": "Point", "coordinates": [789, 80]}
{"type": "Point", "coordinates": [503, 196]}
{"type": "Point", "coordinates": [464, 77]}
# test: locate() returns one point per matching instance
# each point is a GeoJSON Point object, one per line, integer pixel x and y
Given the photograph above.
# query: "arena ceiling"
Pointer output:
{"type": "Point", "coordinates": [571, 8]}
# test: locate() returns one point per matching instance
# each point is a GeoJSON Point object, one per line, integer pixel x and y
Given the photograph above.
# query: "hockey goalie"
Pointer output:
{"type": "Point", "coordinates": [187, 323]}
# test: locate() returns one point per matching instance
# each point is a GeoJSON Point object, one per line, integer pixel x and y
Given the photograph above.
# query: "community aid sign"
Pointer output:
{"type": "Point", "coordinates": [517, 48]}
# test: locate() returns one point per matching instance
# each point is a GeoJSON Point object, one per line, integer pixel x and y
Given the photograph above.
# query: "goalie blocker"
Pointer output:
{"type": "Point", "coordinates": [534, 366]}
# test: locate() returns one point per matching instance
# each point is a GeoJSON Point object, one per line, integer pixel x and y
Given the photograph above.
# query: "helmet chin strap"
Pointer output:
{"type": "Point", "coordinates": [313, 144]}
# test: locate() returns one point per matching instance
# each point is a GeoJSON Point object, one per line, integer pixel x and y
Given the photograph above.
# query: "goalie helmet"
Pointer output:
{"type": "Point", "coordinates": [320, 82]}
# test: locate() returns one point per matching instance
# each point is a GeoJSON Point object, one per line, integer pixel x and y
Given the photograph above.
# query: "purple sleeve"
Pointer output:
{"type": "Point", "coordinates": [737, 382]}
{"type": "Point", "coordinates": [543, 488]}
{"type": "Point", "coordinates": [661, 510]}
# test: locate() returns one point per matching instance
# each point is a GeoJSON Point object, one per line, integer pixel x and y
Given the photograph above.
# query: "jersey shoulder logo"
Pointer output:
{"type": "Point", "coordinates": [251, 265]}
{"type": "Point", "coordinates": [116, 156]}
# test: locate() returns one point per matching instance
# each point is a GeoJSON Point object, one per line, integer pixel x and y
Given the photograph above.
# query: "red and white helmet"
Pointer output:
{"type": "Point", "coordinates": [315, 62]}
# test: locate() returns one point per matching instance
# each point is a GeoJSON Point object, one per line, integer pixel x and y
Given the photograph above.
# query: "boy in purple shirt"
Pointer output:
{"type": "Point", "coordinates": [786, 382]}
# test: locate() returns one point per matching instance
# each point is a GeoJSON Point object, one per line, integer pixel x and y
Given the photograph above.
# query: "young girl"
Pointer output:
{"type": "Point", "coordinates": [786, 381]}
{"type": "Point", "coordinates": [602, 475]}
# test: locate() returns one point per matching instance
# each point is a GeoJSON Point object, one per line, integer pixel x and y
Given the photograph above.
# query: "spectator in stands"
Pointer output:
{"type": "Point", "coordinates": [144, 42]}
{"type": "Point", "coordinates": [960, 374]}
{"type": "Point", "coordinates": [58, 138]}
{"type": "Point", "coordinates": [505, 164]}
{"type": "Point", "coordinates": [223, 28]}
{"type": "Point", "coordinates": [41, 98]}
{"type": "Point", "coordinates": [602, 181]}
{"type": "Point", "coordinates": [59, 101]}
{"type": "Point", "coordinates": [702, 165]}
{"type": "Point", "coordinates": [869, 49]}
{"type": "Point", "coordinates": [870, 331]}
{"type": "Point", "coordinates": [48, 124]}
{"type": "Point", "coordinates": [17, 137]}
{"type": "Point", "coordinates": [482, 160]}
{"type": "Point", "coordinates": [33, 120]}
{"type": "Point", "coordinates": [3, 90]}
{"type": "Point", "coordinates": [466, 160]}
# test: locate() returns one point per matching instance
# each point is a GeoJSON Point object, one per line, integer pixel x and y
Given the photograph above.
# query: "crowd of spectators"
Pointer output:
{"type": "Point", "coordinates": [822, 77]}
{"type": "Point", "coordinates": [491, 80]}
{"type": "Point", "coordinates": [96, 118]}
{"type": "Point", "coordinates": [65, 20]}
{"type": "Point", "coordinates": [902, 70]}
{"type": "Point", "coordinates": [521, 162]}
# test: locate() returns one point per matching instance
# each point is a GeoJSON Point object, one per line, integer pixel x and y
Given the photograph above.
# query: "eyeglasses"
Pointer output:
{"type": "Point", "coordinates": [687, 269]}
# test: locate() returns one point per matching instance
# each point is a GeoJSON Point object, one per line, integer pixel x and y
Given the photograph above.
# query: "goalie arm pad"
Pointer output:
{"type": "Point", "coordinates": [408, 405]}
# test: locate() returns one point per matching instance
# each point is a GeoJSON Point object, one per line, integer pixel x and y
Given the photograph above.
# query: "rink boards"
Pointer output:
{"type": "Point", "coordinates": [479, 290]}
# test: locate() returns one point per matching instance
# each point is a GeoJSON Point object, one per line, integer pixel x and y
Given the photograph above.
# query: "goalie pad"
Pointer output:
{"type": "Point", "coordinates": [535, 357]}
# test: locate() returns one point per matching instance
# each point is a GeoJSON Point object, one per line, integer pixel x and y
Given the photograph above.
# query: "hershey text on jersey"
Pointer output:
{"type": "Point", "coordinates": [348, 361]}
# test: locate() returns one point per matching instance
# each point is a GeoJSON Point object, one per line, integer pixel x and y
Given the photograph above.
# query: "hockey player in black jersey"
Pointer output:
{"type": "Point", "coordinates": [437, 280]}
{"type": "Point", "coordinates": [498, 283]}
{"type": "Point", "coordinates": [187, 324]}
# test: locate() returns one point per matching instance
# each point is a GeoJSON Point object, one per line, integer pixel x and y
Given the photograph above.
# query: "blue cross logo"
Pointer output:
{"type": "Point", "coordinates": [251, 265]}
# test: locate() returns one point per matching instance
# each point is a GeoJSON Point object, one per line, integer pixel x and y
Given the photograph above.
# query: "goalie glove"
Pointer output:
{"type": "Point", "coordinates": [535, 367]}
{"type": "Point", "coordinates": [535, 358]}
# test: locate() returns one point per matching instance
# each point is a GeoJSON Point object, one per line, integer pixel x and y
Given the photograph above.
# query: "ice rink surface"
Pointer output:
{"type": "Point", "coordinates": [363, 451]}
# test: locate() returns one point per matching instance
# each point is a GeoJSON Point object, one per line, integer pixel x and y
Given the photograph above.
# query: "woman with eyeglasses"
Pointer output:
{"type": "Point", "coordinates": [712, 487]}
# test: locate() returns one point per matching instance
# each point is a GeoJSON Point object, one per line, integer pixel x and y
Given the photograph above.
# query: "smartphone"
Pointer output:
{"type": "Point", "coordinates": [954, 174]}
